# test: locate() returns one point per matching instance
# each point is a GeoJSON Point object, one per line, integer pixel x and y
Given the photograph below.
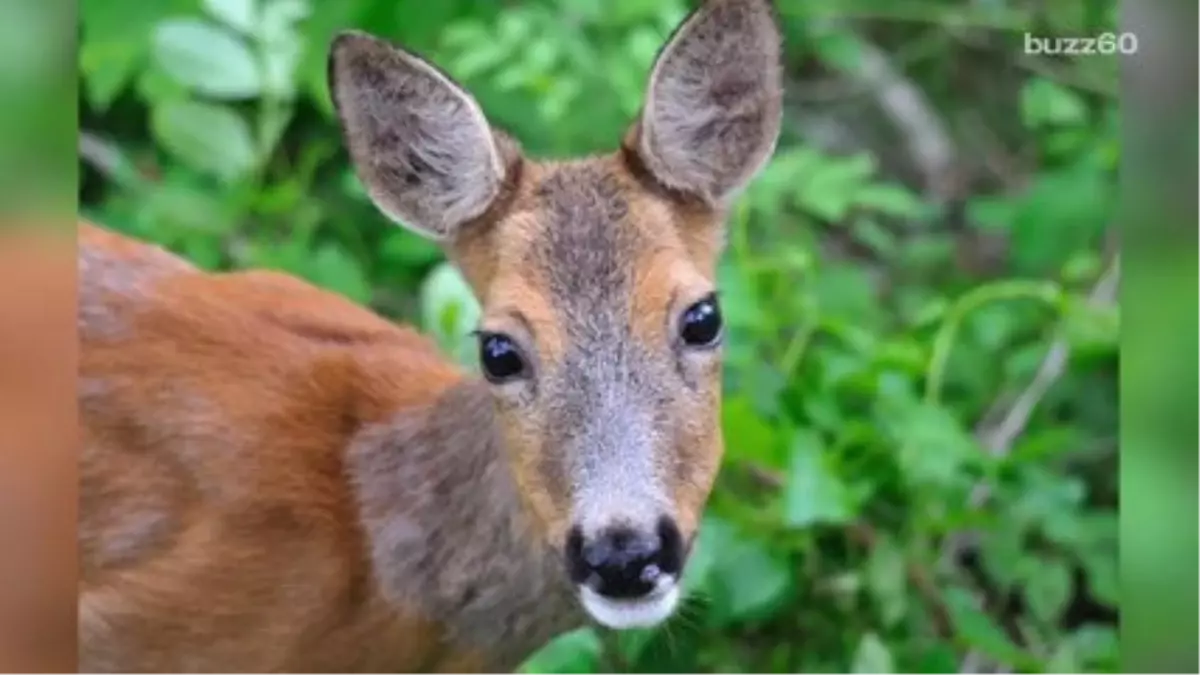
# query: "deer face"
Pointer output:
{"type": "Point", "coordinates": [601, 331]}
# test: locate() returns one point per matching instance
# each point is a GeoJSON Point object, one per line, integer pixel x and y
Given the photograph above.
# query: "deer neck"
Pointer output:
{"type": "Point", "coordinates": [446, 531]}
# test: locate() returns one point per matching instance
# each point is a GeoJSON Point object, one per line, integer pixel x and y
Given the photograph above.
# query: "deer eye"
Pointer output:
{"type": "Point", "coordinates": [500, 358]}
{"type": "Point", "coordinates": [701, 323]}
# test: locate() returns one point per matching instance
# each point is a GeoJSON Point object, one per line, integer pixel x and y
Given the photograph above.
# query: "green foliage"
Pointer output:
{"type": "Point", "coordinates": [866, 361]}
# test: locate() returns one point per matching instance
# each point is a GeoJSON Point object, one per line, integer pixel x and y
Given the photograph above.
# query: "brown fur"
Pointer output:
{"type": "Point", "coordinates": [275, 479]}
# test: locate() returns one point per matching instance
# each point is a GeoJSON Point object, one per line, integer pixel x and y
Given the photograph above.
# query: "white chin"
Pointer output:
{"type": "Point", "coordinates": [621, 614]}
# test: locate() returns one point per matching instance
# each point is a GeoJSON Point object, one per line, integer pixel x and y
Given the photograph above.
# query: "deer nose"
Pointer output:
{"type": "Point", "coordinates": [623, 562]}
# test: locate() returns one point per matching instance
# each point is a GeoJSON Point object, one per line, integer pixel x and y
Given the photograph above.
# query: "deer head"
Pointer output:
{"type": "Point", "coordinates": [601, 328]}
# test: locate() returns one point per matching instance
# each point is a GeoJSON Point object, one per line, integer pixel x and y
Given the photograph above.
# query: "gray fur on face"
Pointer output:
{"type": "Point", "coordinates": [604, 400]}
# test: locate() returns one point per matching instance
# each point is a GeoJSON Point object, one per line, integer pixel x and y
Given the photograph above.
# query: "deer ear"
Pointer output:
{"type": "Point", "coordinates": [712, 112]}
{"type": "Point", "coordinates": [418, 141]}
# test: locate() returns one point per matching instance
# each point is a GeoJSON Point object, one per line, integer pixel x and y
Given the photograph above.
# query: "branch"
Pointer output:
{"type": "Point", "coordinates": [929, 143]}
{"type": "Point", "coordinates": [877, 76]}
{"type": "Point", "coordinates": [109, 160]}
{"type": "Point", "coordinates": [102, 155]}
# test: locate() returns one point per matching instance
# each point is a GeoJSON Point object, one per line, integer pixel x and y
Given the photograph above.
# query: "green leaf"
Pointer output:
{"type": "Point", "coordinates": [1040, 444]}
{"type": "Point", "coordinates": [115, 42]}
{"type": "Point", "coordinates": [932, 446]}
{"type": "Point", "coordinates": [280, 16]}
{"type": "Point", "coordinates": [323, 22]}
{"type": "Point", "coordinates": [335, 269]}
{"type": "Point", "coordinates": [1063, 660]}
{"type": "Point", "coordinates": [407, 249]}
{"type": "Point", "coordinates": [107, 68]}
{"type": "Point", "coordinates": [938, 657]}
{"type": "Point", "coordinates": [449, 310]}
{"type": "Point", "coordinates": [978, 630]}
{"type": "Point", "coordinates": [1051, 501]}
{"type": "Point", "coordinates": [633, 643]}
{"type": "Point", "coordinates": [988, 213]}
{"type": "Point", "coordinates": [1046, 103]}
{"type": "Point", "coordinates": [352, 186]}
{"type": "Point", "coordinates": [748, 582]}
{"type": "Point", "coordinates": [282, 47]}
{"type": "Point", "coordinates": [279, 68]}
{"type": "Point", "coordinates": [747, 435]}
{"type": "Point", "coordinates": [878, 238]}
{"type": "Point", "coordinates": [888, 581]}
{"type": "Point", "coordinates": [815, 493]}
{"type": "Point", "coordinates": [906, 355]}
{"type": "Point", "coordinates": [1091, 327]}
{"type": "Point", "coordinates": [1065, 210]}
{"type": "Point", "coordinates": [272, 123]}
{"type": "Point", "coordinates": [757, 585]}
{"type": "Point", "coordinates": [822, 412]}
{"type": "Point", "coordinates": [840, 49]}
{"type": "Point", "coordinates": [1002, 553]}
{"type": "Point", "coordinates": [481, 57]}
{"type": "Point", "coordinates": [847, 292]}
{"type": "Point", "coordinates": [575, 652]}
{"type": "Point", "coordinates": [929, 312]}
{"type": "Point", "coordinates": [1102, 578]}
{"type": "Point", "coordinates": [643, 44]}
{"type": "Point", "coordinates": [779, 179]}
{"type": "Point", "coordinates": [739, 302]}
{"type": "Point", "coordinates": [872, 656]}
{"type": "Point", "coordinates": [207, 58]}
{"type": "Point", "coordinates": [207, 137]}
{"type": "Point", "coordinates": [238, 14]}
{"type": "Point", "coordinates": [889, 199]}
{"type": "Point", "coordinates": [697, 575]}
{"type": "Point", "coordinates": [185, 212]}
{"type": "Point", "coordinates": [627, 11]}
{"type": "Point", "coordinates": [993, 326]}
{"type": "Point", "coordinates": [1047, 589]}
{"type": "Point", "coordinates": [1095, 644]}
{"type": "Point", "coordinates": [830, 189]}
{"type": "Point", "coordinates": [156, 87]}
{"type": "Point", "coordinates": [927, 252]}
{"type": "Point", "coordinates": [1082, 267]}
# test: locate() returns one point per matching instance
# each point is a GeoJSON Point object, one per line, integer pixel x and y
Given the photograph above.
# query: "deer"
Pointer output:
{"type": "Point", "coordinates": [274, 478]}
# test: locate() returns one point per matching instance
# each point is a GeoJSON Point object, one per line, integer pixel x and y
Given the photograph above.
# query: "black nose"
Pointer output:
{"type": "Point", "coordinates": [622, 562]}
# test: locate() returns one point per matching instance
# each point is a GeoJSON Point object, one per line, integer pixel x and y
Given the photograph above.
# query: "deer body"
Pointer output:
{"type": "Point", "coordinates": [274, 479]}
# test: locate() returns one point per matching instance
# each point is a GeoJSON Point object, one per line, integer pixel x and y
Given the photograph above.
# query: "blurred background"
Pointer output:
{"type": "Point", "coordinates": [921, 407]}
